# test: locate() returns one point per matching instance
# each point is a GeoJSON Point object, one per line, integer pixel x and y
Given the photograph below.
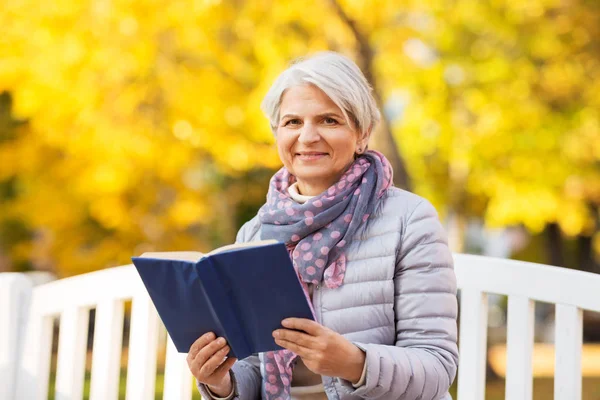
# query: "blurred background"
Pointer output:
{"type": "Point", "coordinates": [130, 126]}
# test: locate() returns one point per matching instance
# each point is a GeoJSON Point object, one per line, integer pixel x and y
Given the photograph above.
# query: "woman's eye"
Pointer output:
{"type": "Point", "coordinates": [292, 122]}
{"type": "Point", "coordinates": [330, 121]}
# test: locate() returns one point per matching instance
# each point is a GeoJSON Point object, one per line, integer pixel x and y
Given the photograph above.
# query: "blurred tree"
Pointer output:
{"type": "Point", "coordinates": [502, 114]}
{"type": "Point", "coordinates": [383, 138]}
{"type": "Point", "coordinates": [13, 231]}
{"type": "Point", "coordinates": [139, 134]}
{"type": "Point", "coordinates": [145, 131]}
{"type": "Point", "coordinates": [145, 126]}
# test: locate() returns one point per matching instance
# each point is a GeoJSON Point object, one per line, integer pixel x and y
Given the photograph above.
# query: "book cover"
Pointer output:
{"type": "Point", "coordinates": [240, 292]}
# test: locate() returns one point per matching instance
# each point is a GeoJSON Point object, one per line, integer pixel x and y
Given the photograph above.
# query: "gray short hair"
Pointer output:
{"type": "Point", "coordinates": [339, 78]}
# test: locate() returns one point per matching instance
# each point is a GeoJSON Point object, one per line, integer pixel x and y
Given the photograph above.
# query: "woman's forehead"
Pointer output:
{"type": "Point", "coordinates": [305, 99]}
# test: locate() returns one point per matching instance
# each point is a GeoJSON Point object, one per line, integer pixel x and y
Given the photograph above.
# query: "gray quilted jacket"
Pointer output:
{"type": "Point", "coordinates": [397, 303]}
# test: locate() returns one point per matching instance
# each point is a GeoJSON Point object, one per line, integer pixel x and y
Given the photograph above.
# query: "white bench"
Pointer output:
{"type": "Point", "coordinates": [523, 283]}
{"type": "Point", "coordinates": [107, 290]}
{"type": "Point", "coordinates": [72, 298]}
{"type": "Point", "coordinates": [15, 292]}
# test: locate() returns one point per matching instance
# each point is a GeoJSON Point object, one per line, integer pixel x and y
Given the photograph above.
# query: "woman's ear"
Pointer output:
{"type": "Point", "coordinates": [363, 142]}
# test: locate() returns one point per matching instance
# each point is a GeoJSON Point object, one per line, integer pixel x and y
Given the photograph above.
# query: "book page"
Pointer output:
{"type": "Point", "coordinates": [242, 245]}
{"type": "Point", "coordinates": [196, 255]}
{"type": "Point", "coordinates": [174, 255]}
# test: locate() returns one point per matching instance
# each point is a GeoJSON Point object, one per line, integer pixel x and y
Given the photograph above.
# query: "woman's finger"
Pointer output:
{"type": "Point", "coordinates": [300, 350]}
{"type": "Point", "coordinates": [198, 345]}
{"type": "Point", "coordinates": [297, 337]}
{"type": "Point", "coordinates": [224, 368]}
{"type": "Point", "coordinates": [303, 324]}
{"type": "Point", "coordinates": [211, 365]}
{"type": "Point", "coordinates": [208, 351]}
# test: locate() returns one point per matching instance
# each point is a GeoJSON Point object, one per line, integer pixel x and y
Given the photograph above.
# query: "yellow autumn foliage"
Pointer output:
{"type": "Point", "coordinates": [139, 123]}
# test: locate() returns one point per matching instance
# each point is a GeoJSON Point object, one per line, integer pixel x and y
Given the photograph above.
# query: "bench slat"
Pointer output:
{"type": "Point", "coordinates": [106, 356]}
{"type": "Point", "coordinates": [178, 385]}
{"type": "Point", "coordinates": [473, 341]}
{"type": "Point", "coordinates": [143, 343]}
{"type": "Point", "coordinates": [34, 373]}
{"type": "Point", "coordinates": [72, 341]}
{"type": "Point", "coordinates": [569, 341]}
{"type": "Point", "coordinates": [15, 293]}
{"type": "Point", "coordinates": [519, 343]}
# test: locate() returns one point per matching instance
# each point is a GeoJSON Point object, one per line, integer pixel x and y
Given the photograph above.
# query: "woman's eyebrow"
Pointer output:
{"type": "Point", "coordinates": [330, 114]}
{"type": "Point", "coordinates": [290, 116]}
{"type": "Point", "coordinates": [324, 115]}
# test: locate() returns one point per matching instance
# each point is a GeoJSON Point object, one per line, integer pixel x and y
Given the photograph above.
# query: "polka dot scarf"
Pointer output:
{"type": "Point", "coordinates": [316, 234]}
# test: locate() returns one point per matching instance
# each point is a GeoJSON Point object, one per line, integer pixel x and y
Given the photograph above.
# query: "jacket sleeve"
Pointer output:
{"type": "Point", "coordinates": [246, 380]}
{"type": "Point", "coordinates": [422, 364]}
{"type": "Point", "coordinates": [246, 376]}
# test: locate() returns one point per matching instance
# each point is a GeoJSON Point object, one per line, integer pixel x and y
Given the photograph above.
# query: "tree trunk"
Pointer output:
{"type": "Point", "coordinates": [585, 255]}
{"type": "Point", "coordinates": [554, 245]}
{"type": "Point", "coordinates": [456, 228]}
{"type": "Point", "coordinates": [382, 138]}
{"type": "Point", "coordinates": [585, 248]}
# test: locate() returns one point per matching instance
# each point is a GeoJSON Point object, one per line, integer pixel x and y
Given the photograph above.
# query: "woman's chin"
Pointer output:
{"type": "Point", "coordinates": [315, 180]}
{"type": "Point", "coordinates": [311, 170]}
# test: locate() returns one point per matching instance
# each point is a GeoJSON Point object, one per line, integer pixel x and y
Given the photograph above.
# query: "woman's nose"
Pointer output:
{"type": "Point", "coordinates": [309, 134]}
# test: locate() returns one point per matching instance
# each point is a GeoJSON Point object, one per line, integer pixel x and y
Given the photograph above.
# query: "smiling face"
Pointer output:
{"type": "Point", "coordinates": [315, 142]}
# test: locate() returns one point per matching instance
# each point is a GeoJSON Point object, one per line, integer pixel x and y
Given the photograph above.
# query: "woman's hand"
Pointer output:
{"type": "Point", "coordinates": [322, 350]}
{"type": "Point", "coordinates": [206, 360]}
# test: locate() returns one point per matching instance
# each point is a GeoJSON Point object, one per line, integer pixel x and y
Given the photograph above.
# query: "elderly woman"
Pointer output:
{"type": "Point", "coordinates": [372, 258]}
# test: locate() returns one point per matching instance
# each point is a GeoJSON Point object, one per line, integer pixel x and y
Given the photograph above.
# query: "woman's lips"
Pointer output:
{"type": "Point", "coordinates": [310, 156]}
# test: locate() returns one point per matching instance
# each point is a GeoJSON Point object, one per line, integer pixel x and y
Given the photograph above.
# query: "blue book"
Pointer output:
{"type": "Point", "coordinates": [241, 292]}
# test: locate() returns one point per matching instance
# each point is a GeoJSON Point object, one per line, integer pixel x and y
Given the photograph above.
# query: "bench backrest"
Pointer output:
{"type": "Point", "coordinates": [572, 291]}
{"type": "Point", "coordinates": [107, 290]}
{"type": "Point", "coordinates": [71, 299]}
